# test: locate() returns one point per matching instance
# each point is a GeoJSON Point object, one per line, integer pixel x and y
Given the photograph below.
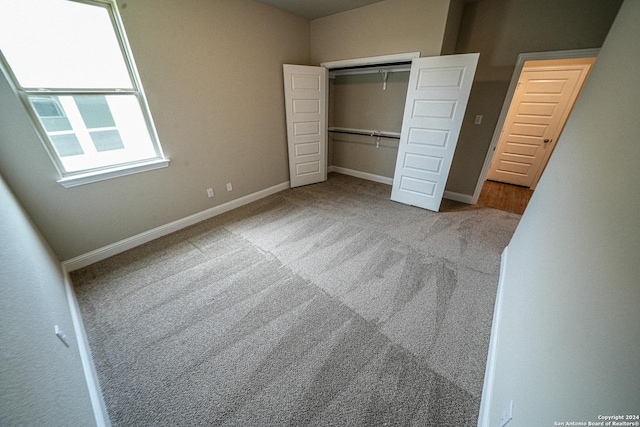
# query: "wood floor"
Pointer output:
{"type": "Point", "coordinates": [505, 197]}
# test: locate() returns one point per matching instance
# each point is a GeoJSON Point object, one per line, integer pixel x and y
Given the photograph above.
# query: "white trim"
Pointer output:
{"type": "Point", "coordinates": [490, 370]}
{"type": "Point", "coordinates": [147, 236]}
{"type": "Point", "coordinates": [458, 197]}
{"type": "Point", "coordinates": [90, 374]}
{"type": "Point", "coordinates": [87, 178]}
{"type": "Point", "coordinates": [533, 56]}
{"type": "Point", "coordinates": [372, 60]}
{"type": "Point", "coordinates": [362, 175]}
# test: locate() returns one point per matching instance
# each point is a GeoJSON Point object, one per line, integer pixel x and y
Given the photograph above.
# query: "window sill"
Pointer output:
{"type": "Point", "coordinates": [76, 180]}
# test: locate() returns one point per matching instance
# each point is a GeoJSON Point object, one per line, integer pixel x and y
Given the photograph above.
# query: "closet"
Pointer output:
{"type": "Point", "coordinates": [379, 112]}
{"type": "Point", "coordinates": [365, 120]}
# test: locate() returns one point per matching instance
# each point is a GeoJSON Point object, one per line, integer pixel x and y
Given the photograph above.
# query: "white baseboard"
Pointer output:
{"type": "Point", "coordinates": [90, 374]}
{"type": "Point", "coordinates": [359, 174]}
{"type": "Point", "coordinates": [147, 236]}
{"type": "Point", "coordinates": [484, 417]}
{"type": "Point", "coordinates": [459, 197]}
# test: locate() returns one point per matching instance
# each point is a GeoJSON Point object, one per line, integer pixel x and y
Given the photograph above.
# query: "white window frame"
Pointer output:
{"type": "Point", "coordinates": [86, 176]}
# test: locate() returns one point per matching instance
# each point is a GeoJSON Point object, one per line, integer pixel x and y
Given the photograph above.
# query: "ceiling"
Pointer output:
{"type": "Point", "coordinates": [313, 9]}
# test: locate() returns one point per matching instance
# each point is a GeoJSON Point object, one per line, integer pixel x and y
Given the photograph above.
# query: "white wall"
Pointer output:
{"type": "Point", "coordinates": [41, 380]}
{"type": "Point", "coordinates": [384, 28]}
{"type": "Point", "coordinates": [568, 344]}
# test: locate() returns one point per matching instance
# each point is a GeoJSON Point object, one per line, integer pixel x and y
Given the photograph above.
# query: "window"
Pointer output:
{"type": "Point", "coordinates": [68, 61]}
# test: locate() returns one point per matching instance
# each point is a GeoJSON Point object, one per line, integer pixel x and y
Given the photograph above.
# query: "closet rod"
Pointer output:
{"type": "Point", "coordinates": [398, 68]}
{"type": "Point", "coordinates": [376, 133]}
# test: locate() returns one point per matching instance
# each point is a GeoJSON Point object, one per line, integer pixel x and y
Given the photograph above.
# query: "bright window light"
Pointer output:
{"type": "Point", "coordinates": [69, 63]}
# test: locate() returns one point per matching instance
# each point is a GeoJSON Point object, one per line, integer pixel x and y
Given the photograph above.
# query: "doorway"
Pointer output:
{"type": "Point", "coordinates": [544, 97]}
{"type": "Point", "coordinates": [522, 143]}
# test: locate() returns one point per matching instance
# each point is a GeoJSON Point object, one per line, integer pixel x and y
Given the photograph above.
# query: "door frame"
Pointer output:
{"type": "Point", "coordinates": [522, 58]}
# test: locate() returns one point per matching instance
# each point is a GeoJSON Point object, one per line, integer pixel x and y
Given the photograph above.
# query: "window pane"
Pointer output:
{"type": "Point", "coordinates": [46, 106]}
{"type": "Point", "coordinates": [87, 144]}
{"type": "Point", "coordinates": [53, 124]}
{"type": "Point", "coordinates": [66, 145]}
{"type": "Point", "coordinates": [95, 111]}
{"type": "Point", "coordinates": [51, 113]}
{"type": "Point", "coordinates": [107, 140]}
{"type": "Point", "coordinates": [61, 44]}
{"type": "Point", "coordinates": [127, 114]}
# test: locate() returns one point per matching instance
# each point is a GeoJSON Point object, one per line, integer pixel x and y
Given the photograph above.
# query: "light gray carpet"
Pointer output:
{"type": "Point", "coordinates": [322, 305]}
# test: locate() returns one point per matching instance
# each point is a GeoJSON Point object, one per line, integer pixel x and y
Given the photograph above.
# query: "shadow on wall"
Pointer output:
{"type": "Point", "coordinates": [474, 140]}
{"type": "Point", "coordinates": [489, 88]}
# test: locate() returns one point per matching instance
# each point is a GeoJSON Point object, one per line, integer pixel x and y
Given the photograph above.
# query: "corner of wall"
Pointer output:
{"type": "Point", "coordinates": [489, 374]}
{"type": "Point", "coordinates": [452, 28]}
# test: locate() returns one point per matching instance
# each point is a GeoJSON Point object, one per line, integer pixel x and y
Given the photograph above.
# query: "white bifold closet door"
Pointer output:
{"type": "Point", "coordinates": [306, 94]}
{"type": "Point", "coordinates": [437, 98]}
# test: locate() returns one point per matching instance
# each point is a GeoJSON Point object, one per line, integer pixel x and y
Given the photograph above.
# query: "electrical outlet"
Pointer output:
{"type": "Point", "coordinates": [210, 192]}
{"type": "Point", "coordinates": [61, 335]}
{"type": "Point", "coordinates": [478, 119]}
{"type": "Point", "coordinates": [507, 414]}
{"type": "Point", "coordinates": [229, 187]}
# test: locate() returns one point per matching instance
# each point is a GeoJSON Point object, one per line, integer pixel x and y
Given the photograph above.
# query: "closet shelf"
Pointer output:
{"type": "Point", "coordinates": [373, 64]}
{"type": "Point", "coordinates": [396, 68]}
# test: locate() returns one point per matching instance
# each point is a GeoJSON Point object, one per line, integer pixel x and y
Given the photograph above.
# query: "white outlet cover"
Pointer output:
{"type": "Point", "coordinates": [61, 335]}
{"type": "Point", "coordinates": [507, 414]}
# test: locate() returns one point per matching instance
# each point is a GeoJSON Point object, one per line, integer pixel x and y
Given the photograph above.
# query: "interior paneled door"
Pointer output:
{"type": "Point", "coordinates": [540, 107]}
{"type": "Point", "coordinates": [437, 97]}
{"type": "Point", "coordinates": [306, 93]}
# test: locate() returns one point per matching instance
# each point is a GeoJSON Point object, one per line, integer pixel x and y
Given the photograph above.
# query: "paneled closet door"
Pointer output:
{"type": "Point", "coordinates": [437, 97]}
{"type": "Point", "coordinates": [306, 94]}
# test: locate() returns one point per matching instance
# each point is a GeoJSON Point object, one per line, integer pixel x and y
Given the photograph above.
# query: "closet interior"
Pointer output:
{"type": "Point", "coordinates": [366, 108]}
